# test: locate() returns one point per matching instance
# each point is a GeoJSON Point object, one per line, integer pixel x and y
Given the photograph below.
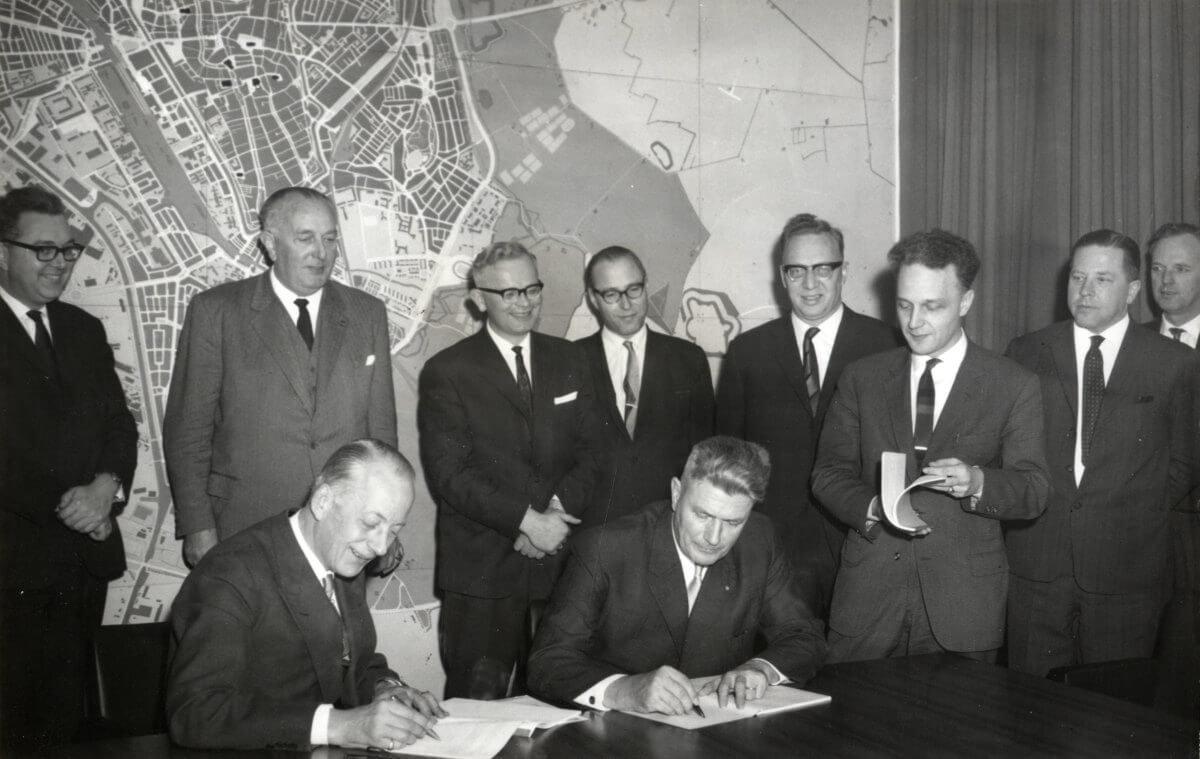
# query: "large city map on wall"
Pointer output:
{"type": "Point", "coordinates": [686, 132]}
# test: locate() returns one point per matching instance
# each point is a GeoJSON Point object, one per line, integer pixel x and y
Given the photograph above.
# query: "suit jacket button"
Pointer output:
{"type": "Point", "coordinates": [1077, 506]}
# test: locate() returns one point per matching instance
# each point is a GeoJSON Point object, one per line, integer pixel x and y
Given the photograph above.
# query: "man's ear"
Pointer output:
{"type": "Point", "coordinates": [477, 298]}
{"type": "Point", "coordinates": [322, 501]}
{"type": "Point", "coordinates": [676, 489]}
{"type": "Point", "coordinates": [266, 241]}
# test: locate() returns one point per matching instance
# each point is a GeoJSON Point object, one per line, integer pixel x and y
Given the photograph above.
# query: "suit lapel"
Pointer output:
{"type": "Point", "coordinates": [21, 347]}
{"type": "Point", "coordinates": [838, 359]}
{"type": "Point", "coordinates": [594, 348]}
{"type": "Point", "coordinates": [655, 375]}
{"type": "Point", "coordinates": [318, 622]}
{"type": "Point", "coordinates": [1062, 354]}
{"type": "Point", "coordinates": [1122, 385]}
{"type": "Point", "coordinates": [666, 582]}
{"type": "Point", "coordinates": [722, 584]}
{"type": "Point", "coordinates": [788, 355]}
{"type": "Point", "coordinates": [331, 332]}
{"type": "Point", "coordinates": [961, 405]}
{"type": "Point", "coordinates": [896, 400]}
{"type": "Point", "coordinates": [275, 329]}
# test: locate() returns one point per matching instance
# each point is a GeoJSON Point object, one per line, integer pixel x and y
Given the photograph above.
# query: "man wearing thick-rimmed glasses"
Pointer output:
{"type": "Point", "coordinates": [654, 391]}
{"type": "Point", "coordinates": [67, 454]}
{"type": "Point", "coordinates": [509, 441]}
{"type": "Point", "coordinates": [776, 384]}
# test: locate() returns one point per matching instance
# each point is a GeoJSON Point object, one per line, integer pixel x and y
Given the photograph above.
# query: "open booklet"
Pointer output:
{"type": "Point", "coordinates": [480, 729]}
{"type": "Point", "coordinates": [778, 698]}
{"type": "Point", "coordinates": [897, 507]}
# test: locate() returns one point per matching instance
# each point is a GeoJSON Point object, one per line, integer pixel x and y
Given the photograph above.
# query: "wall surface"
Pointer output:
{"type": "Point", "coordinates": [688, 134]}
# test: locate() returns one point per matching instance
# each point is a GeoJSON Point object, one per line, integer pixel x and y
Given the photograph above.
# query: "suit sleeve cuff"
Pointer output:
{"type": "Point", "coordinates": [593, 697]}
{"type": "Point", "coordinates": [774, 676]}
{"type": "Point", "coordinates": [318, 735]}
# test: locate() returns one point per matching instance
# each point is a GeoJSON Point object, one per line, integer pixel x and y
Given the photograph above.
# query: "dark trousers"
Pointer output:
{"type": "Point", "coordinates": [1058, 624]}
{"type": "Point", "coordinates": [45, 655]}
{"type": "Point", "coordinates": [484, 644]}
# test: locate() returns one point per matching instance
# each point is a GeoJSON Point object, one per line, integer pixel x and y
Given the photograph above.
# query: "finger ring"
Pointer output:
{"type": "Point", "coordinates": [391, 744]}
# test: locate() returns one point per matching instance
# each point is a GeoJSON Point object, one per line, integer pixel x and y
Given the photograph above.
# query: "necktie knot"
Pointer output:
{"type": "Point", "coordinates": [932, 363]}
{"type": "Point", "coordinates": [1096, 340]}
{"type": "Point", "coordinates": [1176, 333]}
{"type": "Point", "coordinates": [304, 322]}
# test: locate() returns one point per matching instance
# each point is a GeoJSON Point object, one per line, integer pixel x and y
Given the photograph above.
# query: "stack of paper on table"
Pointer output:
{"type": "Point", "coordinates": [479, 729]}
{"type": "Point", "coordinates": [778, 698]}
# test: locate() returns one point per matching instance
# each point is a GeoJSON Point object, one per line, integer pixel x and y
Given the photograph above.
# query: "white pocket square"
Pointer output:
{"type": "Point", "coordinates": [566, 398]}
{"type": "Point", "coordinates": [371, 360]}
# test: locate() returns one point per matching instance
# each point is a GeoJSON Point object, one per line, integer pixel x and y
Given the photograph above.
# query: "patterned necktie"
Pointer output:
{"type": "Point", "coordinates": [41, 341]}
{"type": "Point", "coordinates": [523, 383]}
{"type": "Point", "coordinates": [693, 586]}
{"type": "Point", "coordinates": [812, 373]}
{"type": "Point", "coordinates": [1093, 392]}
{"type": "Point", "coordinates": [331, 594]}
{"type": "Point", "coordinates": [925, 403]}
{"type": "Point", "coordinates": [304, 322]}
{"type": "Point", "coordinates": [633, 384]}
{"type": "Point", "coordinates": [1177, 333]}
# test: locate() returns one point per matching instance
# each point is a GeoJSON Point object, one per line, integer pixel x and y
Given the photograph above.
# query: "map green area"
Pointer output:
{"type": "Point", "coordinates": [687, 132]}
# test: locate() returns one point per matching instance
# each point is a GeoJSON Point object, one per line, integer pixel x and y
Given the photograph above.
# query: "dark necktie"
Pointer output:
{"type": "Point", "coordinates": [1093, 392]}
{"type": "Point", "coordinates": [331, 594]}
{"type": "Point", "coordinates": [812, 373]}
{"type": "Point", "coordinates": [633, 384]}
{"type": "Point", "coordinates": [523, 383]}
{"type": "Point", "coordinates": [304, 322]}
{"type": "Point", "coordinates": [1177, 333]}
{"type": "Point", "coordinates": [925, 403]}
{"type": "Point", "coordinates": [41, 341]}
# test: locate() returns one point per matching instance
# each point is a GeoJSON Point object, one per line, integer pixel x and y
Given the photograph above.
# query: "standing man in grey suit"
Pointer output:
{"type": "Point", "coordinates": [655, 391]}
{"type": "Point", "coordinates": [956, 410]}
{"type": "Point", "coordinates": [1174, 254]}
{"type": "Point", "coordinates": [776, 384]}
{"type": "Point", "coordinates": [510, 439]}
{"type": "Point", "coordinates": [1091, 576]}
{"type": "Point", "coordinates": [272, 374]}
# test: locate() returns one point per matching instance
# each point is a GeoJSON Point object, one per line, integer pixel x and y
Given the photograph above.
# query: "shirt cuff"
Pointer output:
{"type": "Point", "coordinates": [874, 514]}
{"type": "Point", "coordinates": [776, 677]}
{"type": "Point", "coordinates": [318, 735]}
{"type": "Point", "coordinates": [594, 696]}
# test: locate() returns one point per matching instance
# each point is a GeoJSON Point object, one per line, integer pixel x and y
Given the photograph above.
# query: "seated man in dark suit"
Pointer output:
{"type": "Point", "coordinates": [679, 590]}
{"type": "Point", "coordinates": [275, 644]}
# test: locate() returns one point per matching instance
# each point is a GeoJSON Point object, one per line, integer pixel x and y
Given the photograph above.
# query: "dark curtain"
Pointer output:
{"type": "Point", "coordinates": [1025, 123]}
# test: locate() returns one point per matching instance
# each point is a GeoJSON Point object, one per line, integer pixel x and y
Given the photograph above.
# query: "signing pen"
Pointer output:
{"type": "Point", "coordinates": [698, 711]}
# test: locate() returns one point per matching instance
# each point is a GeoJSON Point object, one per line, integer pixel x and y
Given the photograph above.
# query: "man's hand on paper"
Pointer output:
{"type": "Point", "coordinates": [962, 480]}
{"type": "Point", "coordinates": [746, 683]}
{"type": "Point", "coordinates": [382, 724]}
{"type": "Point", "coordinates": [665, 690]}
{"type": "Point", "coordinates": [421, 700]}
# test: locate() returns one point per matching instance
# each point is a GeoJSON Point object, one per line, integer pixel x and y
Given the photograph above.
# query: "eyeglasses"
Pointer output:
{"type": "Point", "coordinates": [510, 294]}
{"type": "Point", "coordinates": [797, 272]}
{"type": "Point", "coordinates": [46, 253]}
{"type": "Point", "coordinates": [633, 292]}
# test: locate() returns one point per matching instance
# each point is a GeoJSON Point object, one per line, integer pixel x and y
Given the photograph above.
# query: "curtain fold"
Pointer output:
{"type": "Point", "coordinates": [1025, 123]}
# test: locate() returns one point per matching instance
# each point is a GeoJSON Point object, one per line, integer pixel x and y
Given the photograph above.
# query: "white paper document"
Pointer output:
{"type": "Point", "coordinates": [894, 495]}
{"type": "Point", "coordinates": [778, 698]}
{"type": "Point", "coordinates": [480, 729]}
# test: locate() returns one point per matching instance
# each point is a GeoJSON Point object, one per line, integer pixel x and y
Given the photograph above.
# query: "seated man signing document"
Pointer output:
{"type": "Point", "coordinates": [275, 644]}
{"type": "Point", "coordinates": [677, 591]}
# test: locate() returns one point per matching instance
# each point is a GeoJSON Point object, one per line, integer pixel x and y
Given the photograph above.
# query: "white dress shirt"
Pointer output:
{"type": "Point", "coordinates": [1113, 336]}
{"type": "Point", "coordinates": [616, 355]}
{"type": "Point", "coordinates": [21, 311]}
{"type": "Point", "coordinates": [822, 341]}
{"type": "Point", "coordinates": [943, 375]}
{"type": "Point", "coordinates": [288, 299]}
{"type": "Point", "coordinates": [1191, 329]}
{"type": "Point", "coordinates": [510, 358]}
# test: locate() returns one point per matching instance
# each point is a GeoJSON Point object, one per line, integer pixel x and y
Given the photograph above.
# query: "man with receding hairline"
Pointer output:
{"type": "Point", "coordinates": [655, 391]}
{"type": "Point", "coordinates": [1091, 576]}
{"type": "Point", "coordinates": [510, 442]}
{"type": "Point", "coordinates": [1173, 253]}
{"type": "Point", "coordinates": [275, 645]}
{"type": "Point", "coordinates": [776, 384]}
{"type": "Point", "coordinates": [273, 373]}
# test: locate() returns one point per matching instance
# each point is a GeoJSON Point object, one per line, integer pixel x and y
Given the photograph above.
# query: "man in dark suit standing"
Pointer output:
{"type": "Point", "coordinates": [275, 643]}
{"type": "Point", "coordinates": [776, 384]}
{"type": "Point", "coordinates": [67, 454]}
{"type": "Point", "coordinates": [955, 410]}
{"type": "Point", "coordinates": [1174, 253]}
{"type": "Point", "coordinates": [510, 441]}
{"type": "Point", "coordinates": [272, 374]}
{"type": "Point", "coordinates": [1091, 576]}
{"type": "Point", "coordinates": [655, 391]}
{"type": "Point", "coordinates": [680, 589]}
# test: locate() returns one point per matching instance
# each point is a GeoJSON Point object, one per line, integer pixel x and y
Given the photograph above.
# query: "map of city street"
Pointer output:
{"type": "Point", "coordinates": [688, 132]}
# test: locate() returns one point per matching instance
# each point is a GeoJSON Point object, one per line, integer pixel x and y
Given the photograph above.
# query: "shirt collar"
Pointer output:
{"type": "Point", "coordinates": [314, 562]}
{"type": "Point", "coordinates": [1113, 335]}
{"type": "Point", "coordinates": [1191, 326]}
{"type": "Point", "coordinates": [19, 309]}
{"type": "Point", "coordinates": [503, 343]}
{"type": "Point", "coordinates": [287, 297]}
{"type": "Point", "coordinates": [951, 358]}
{"type": "Point", "coordinates": [828, 327]}
{"type": "Point", "coordinates": [615, 342]}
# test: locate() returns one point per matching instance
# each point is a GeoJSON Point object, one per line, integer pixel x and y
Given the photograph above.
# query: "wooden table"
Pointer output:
{"type": "Point", "coordinates": [927, 706]}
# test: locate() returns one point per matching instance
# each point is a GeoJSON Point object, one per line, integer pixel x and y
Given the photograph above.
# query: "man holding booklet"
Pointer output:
{"type": "Point", "coordinates": [956, 411]}
{"type": "Point", "coordinates": [678, 591]}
